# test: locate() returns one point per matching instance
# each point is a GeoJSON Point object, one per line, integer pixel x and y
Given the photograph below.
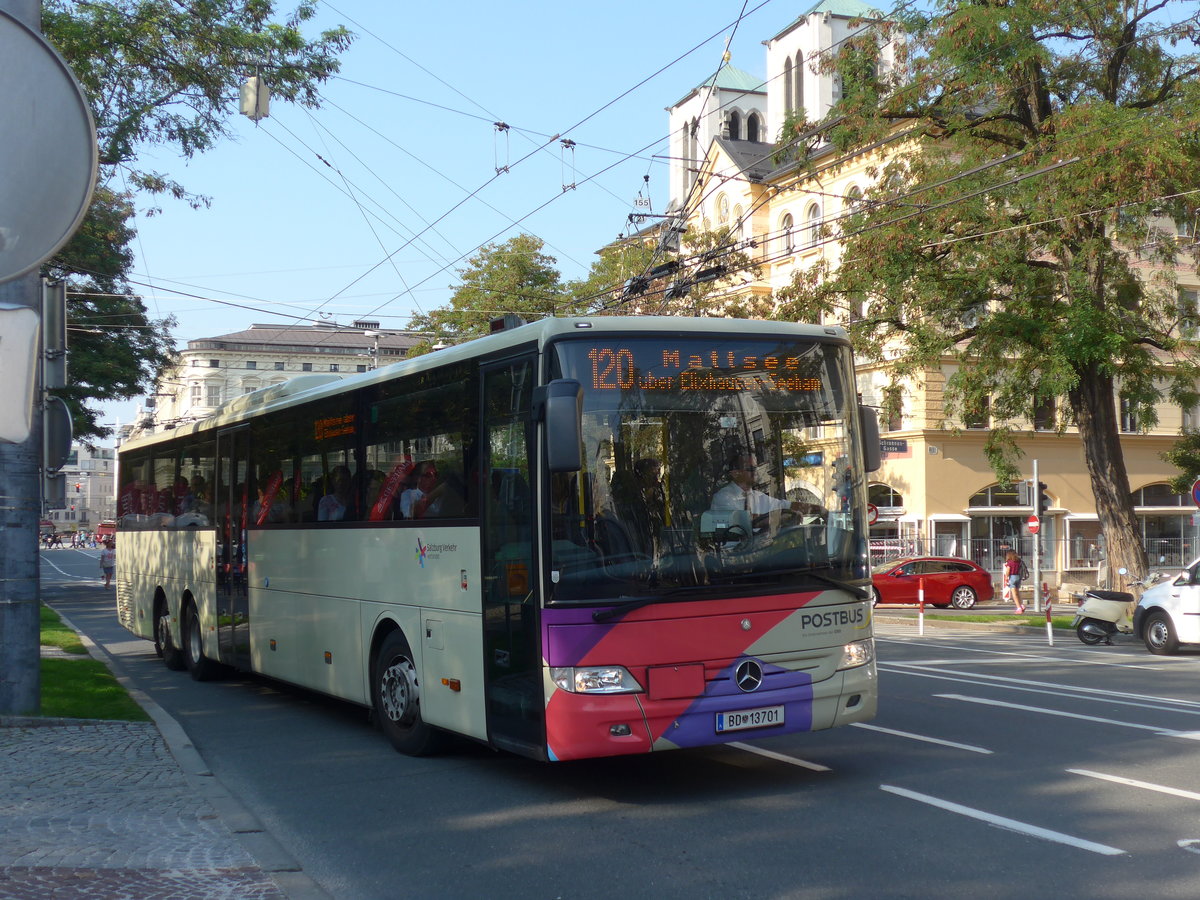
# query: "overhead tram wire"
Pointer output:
{"type": "Point", "coordinates": [448, 179]}
{"type": "Point", "coordinates": [537, 149]}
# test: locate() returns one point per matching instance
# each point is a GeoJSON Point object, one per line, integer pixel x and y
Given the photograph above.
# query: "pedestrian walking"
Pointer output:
{"type": "Point", "coordinates": [1013, 572]}
{"type": "Point", "coordinates": [108, 561]}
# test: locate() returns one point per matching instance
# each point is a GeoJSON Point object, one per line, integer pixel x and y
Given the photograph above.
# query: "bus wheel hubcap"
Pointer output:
{"type": "Point", "coordinates": [398, 691]}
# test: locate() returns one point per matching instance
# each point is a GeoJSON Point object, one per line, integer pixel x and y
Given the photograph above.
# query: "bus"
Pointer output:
{"type": "Point", "coordinates": [528, 539]}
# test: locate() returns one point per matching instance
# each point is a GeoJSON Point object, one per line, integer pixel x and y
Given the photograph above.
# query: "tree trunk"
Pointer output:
{"type": "Point", "coordinates": [1094, 404]}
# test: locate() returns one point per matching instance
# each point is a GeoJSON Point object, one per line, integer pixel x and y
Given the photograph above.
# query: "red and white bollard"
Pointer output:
{"type": "Point", "coordinates": [1049, 627]}
{"type": "Point", "coordinates": [920, 606]}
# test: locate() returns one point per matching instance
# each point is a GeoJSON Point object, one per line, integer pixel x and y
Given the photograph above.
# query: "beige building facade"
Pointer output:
{"type": "Point", "coordinates": [936, 492]}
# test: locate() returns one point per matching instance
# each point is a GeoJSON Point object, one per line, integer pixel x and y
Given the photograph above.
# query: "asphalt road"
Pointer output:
{"type": "Point", "coordinates": [998, 767]}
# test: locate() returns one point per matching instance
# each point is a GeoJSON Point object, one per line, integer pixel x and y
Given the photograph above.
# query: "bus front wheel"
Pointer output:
{"type": "Point", "coordinates": [396, 692]}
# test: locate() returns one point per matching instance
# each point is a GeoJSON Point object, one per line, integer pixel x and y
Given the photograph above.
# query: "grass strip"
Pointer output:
{"type": "Point", "coordinates": [85, 689]}
{"type": "Point", "coordinates": [56, 634]}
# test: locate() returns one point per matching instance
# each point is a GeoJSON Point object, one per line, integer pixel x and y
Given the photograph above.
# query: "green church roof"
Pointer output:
{"type": "Point", "coordinates": [729, 78]}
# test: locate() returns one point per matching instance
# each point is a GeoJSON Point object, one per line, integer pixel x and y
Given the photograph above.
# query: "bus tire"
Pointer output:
{"type": "Point", "coordinates": [164, 647]}
{"type": "Point", "coordinates": [396, 696]}
{"type": "Point", "coordinates": [199, 666]}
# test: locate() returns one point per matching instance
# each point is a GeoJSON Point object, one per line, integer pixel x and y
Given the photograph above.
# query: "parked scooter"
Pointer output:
{"type": "Point", "coordinates": [1105, 613]}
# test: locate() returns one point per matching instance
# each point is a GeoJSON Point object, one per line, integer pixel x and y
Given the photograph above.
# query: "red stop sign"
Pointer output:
{"type": "Point", "coordinates": [1033, 524]}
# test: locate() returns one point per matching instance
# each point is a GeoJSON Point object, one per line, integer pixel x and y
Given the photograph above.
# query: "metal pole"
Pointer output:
{"type": "Point", "coordinates": [21, 506]}
{"type": "Point", "coordinates": [1036, 570]}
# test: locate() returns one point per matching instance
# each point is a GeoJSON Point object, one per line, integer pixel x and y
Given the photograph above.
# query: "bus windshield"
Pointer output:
{"type": "Point", "coordinates": [709, 465]}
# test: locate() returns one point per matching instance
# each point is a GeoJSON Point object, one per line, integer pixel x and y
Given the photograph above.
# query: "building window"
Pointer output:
{"type": "Point", "coordinates": [735, 126]}
{"type": "Point", "coordinates": [1044, 417]}
{"type": "Point", "coordinates": [361, 367]}
{"type": "Point", "coordinates": [722, 211]}
{"type": "Point", "coordinates": [333, 367]}
{"type": "Point", "coordinates": [977, 416]}
{"type": "Point", "coordinates": [788, 104]}
{"type": "Point", "coordinates": [788, 225]}
{"type": "Point", "coordinates": [752, 127]}
{"type": "Point", "coordinates": [279, 367]}
{"type": "Point", "coordinates": [212, 395]}
{"type": "Point", "coordinates": [251, 364]}
{"type": "Point", "coordinates": [305, 367]}
{"type": "Point", "coordinates": [799, 93]}
{"type": "Point", "coordinates": [1189, 312]}
{"type": "Point", "coordinates": [814, 225]}
{"type": "Point", "coordinates": [195, 363]}
{"type": "Point", "coordinates": [1129, 419]}
{"type": "Point", "coordinates": [196, 394]}
{"type": "Point", "coordinates": [214, 364]}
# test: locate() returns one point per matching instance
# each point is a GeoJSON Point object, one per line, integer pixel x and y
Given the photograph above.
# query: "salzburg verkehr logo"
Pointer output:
{"type": "Point", "coordinates": [432, 551]}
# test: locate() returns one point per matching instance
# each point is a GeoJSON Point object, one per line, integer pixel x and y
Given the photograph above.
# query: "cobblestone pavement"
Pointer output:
{"type": "Point", "coordinates": [102, 810]}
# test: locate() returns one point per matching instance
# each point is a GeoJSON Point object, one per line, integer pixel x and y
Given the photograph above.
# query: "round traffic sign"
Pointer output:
{"type": "Point", "coordinates": [872, 513]}
{"type": "Point", "coordinates": [1196, 492]}
{"type": "Point", "coordinates": [47, 150]}
{"type": "Point", "coordinates": [1033, 524]}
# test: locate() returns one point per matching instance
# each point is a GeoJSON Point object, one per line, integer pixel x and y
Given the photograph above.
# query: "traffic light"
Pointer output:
{"type": "Point", "coordinates": [1043, 500]}
{"type": "Point", "coordinates": [78, 486]}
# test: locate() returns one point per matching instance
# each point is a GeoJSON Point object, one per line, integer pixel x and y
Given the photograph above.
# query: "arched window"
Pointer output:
{"type": "Point", "coordinates": [738, 224]}
{"type": "Point", "coordinates": [800, 83]}
{"type": "Point", "coordinates": [854, 199]}
{"type": "Point", "coordinates": [735, 126]}
{"type": "Point", "coordinates": [752, 127]}
{"type": "Point", "coordinates": [994, 531]}
{"type": "Point", "coordinates": [786, 229]}
{"type": "Point", "coordinates": [722, 211]}
{"type": "Point", "coordinates": [787, 85]}
{"type": "Point", "coordinates": [813, 226]}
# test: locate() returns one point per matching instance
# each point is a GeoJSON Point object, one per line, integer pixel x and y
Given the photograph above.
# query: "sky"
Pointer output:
{"type": "Point", "coordinates": [368, 207]}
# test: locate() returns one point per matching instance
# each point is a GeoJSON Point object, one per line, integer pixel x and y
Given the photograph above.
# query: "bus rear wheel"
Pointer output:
{"type": "Point", "coordinates": [396, 694]}
{"type": "Point", "coordinates": [199, 666]}
{"type": "Point", "coordinates": [171, 655]}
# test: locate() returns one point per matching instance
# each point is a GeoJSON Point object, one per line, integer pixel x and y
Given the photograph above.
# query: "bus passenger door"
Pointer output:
{"type": "Point", "coordinates": [232, 509]}
{"type": "Point", "coordinates": [513, 663]}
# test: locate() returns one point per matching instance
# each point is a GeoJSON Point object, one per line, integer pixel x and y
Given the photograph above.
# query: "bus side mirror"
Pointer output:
{"type": "Point", "coordinates": [559, 405]}
{"type": "Point", "coordinates": [869, 425]}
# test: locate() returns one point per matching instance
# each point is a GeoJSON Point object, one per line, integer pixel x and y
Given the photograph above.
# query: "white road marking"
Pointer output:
{"type": "Point", "coordinates": [1191, 845]}
{"type": "Point", "coordinates": [1001, 822]}
{"type": "Point", "coordinates": [779, 757]}
{"type": "Point", "coordinates": [920, 737]}
{"type": "Point", "coordinates": [1157, 729]}
{"type": "Point", "coordinates": [1026, 656]}
{"type": "Point", "coordinates": [1142, 701]}
{"type": "Point", "coordinates": [1145, 785]}
{"type": "Point", "coordinates": [68, 574]}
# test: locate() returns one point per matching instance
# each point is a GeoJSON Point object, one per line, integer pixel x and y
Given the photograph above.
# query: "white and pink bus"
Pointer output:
{"type": "Point", "coordinates": [574, 538]}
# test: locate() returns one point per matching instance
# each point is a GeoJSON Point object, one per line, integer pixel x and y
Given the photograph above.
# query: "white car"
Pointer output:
{"type": "Point", "coordinates": [1169, 613]}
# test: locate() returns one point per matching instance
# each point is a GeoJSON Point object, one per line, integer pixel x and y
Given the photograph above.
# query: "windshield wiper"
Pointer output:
{"type": "Point", "coordinates": [859, 592]}
{"type": "Point", "coordinates": [603, 615]}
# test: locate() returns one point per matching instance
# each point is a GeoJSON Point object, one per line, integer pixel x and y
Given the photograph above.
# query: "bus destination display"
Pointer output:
{"type": "Point", "coordinates": [615, 369]}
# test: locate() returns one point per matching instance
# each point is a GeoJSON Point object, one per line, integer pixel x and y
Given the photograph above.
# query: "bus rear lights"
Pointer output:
{"type": "Point", "coordinates": [272, 645]}
{"type": "Point", "coordinates": [858, 653]}
{"type": "Point", "coordinates": [453, 683]}
{"type": "Point", "coordinates": [622, 730]}
{"type": "Point", "coordinates": [328, 658]}
{"type": "Point", "coordinates": [595, 680]}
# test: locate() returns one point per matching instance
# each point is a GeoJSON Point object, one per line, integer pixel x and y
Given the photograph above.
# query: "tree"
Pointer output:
{"type": "Point", "coordinates": [157, 74]}
{"type": "Point", "coordinates": [1035, 153]}
{"type": "Point", "coordinates": [513, 277]}
{"type": "Point", "coordinates": [114, 349]}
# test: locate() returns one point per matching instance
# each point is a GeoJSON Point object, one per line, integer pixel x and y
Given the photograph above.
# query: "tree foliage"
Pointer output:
{"type": "Point", "coordinates": [160, 75]}
{"type": "Point", "coordinates": [513, 277]}
{"type": "Point", "coordinates": [1019, 228]}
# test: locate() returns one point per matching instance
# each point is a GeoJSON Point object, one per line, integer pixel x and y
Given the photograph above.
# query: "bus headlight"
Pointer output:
{"type": "Point", "coordinates": [858, 653]}
{"type": "Point", "coordinates": [594, 680]}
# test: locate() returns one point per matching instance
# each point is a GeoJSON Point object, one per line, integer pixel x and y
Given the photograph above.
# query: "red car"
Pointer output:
{"type": "Point", "coordinates": [948, 582]}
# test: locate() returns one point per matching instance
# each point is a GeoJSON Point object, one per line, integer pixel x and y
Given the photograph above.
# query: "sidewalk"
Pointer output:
{"type": "Point", "coordinates": [128, 811]}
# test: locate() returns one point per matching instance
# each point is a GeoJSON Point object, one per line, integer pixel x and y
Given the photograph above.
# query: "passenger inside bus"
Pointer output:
{"type": "Point", "coordinates": [338, 504]}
